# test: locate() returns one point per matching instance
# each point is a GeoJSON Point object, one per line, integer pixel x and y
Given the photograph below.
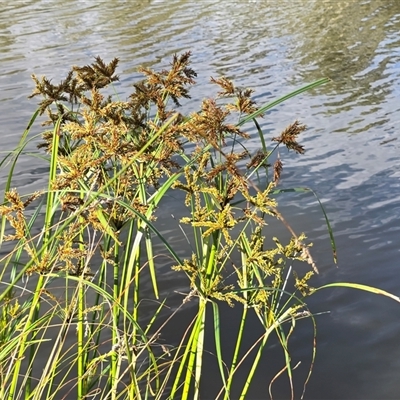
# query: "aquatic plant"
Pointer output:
{"type": "Point", "coordinates": [92, 233]}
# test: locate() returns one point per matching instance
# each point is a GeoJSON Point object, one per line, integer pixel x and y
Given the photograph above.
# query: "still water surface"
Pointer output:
{"type": "Point", "coordinates": [273, 47]}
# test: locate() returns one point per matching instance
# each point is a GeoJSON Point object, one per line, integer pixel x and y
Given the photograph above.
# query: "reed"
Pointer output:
{"type": "Point", "coordinates": [110, 164]}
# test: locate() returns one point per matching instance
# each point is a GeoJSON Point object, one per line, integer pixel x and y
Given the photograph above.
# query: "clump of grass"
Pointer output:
{"type": "Point", "coordinates": [111, 162]}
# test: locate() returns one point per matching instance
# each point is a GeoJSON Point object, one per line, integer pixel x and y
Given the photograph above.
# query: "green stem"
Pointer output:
{"type": "Point", "coordinates": [236, 353]}
{"type": "Point", "coordinates": [254, 366]}
{"type": "Point", "coordinates": [256, 361]}
{"type": "Point", "coordinates": [22, 347]}
{"type": "Point", "coordinates": [200, 349]}
{"type": "Point", "coordinates": [82, 356]}
{"type": "Point", "coordinates": [195, 352]}
{"type": "Point", "coordinates": [115, 337]}
{"type": "Point", "coordinates": [80, 339]}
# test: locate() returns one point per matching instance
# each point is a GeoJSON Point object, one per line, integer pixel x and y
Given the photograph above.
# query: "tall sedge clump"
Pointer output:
{"type": "Point", "coordinates": [91, 233]}
{"type": "Point", "coordinates": [108, 163]}
{"type": "Point", "coordinates": [111, 162]}
{"type": "Point", "coordinates": [112, 154]}
{"type": "Point", "coordinates": [228, 212]}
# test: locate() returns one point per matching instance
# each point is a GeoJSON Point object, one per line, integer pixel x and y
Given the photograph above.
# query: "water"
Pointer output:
{"type": "Point", "coordinates": [273, 47]}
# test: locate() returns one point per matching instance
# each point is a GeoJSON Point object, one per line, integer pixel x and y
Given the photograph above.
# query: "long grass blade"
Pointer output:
{"type": "Point", "coordinates": [274, 103]}
{"type": "Point", "coordinates": [358, 286]}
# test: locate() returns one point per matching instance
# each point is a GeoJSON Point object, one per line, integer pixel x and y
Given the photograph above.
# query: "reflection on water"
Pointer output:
{"type": "Point", "coordinates": [273, 47]}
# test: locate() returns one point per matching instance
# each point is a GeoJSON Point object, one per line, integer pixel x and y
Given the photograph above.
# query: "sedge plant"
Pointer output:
{"type": "Point", "coordinates": [90, 236]}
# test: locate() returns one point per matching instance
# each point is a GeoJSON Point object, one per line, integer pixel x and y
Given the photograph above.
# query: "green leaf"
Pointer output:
{"type": "Point", "coordinates": [274, 103]}
{"type": "Point", "coordinates": [360, 287]}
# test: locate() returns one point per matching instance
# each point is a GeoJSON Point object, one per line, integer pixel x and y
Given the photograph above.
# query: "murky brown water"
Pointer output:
{"type": "Point", "coordinates": [273, 47]}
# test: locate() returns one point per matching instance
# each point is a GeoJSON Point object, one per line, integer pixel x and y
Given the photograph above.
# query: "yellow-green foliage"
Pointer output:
{"type": "Point", "coordinates": [111, 163]}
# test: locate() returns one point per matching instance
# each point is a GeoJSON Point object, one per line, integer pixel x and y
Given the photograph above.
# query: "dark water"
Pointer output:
{"type": "Point", "coordinates": [273, 47]}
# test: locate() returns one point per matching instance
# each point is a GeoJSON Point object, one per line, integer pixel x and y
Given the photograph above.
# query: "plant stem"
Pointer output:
{"type": "Point", "coordinates": [239, 338]}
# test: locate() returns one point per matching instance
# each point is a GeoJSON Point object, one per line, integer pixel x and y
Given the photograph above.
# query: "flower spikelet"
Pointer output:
{"type": "Point", "coordinates": [289, 135]}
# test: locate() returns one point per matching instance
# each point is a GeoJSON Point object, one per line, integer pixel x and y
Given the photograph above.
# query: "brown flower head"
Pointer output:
{"type": "Point", "coordinates": [289, 135]}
